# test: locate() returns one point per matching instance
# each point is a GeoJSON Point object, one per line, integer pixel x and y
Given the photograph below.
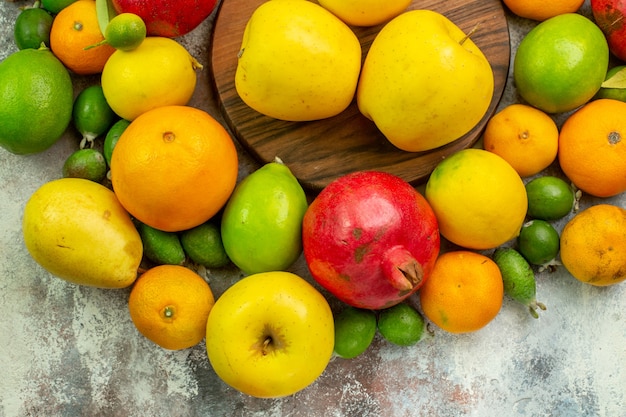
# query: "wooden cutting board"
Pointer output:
{"type": "Point", "coordinates": [320, 151]}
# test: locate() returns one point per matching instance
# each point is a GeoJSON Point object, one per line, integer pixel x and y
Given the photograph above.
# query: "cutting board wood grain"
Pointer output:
{"type": "Point", "coordinates": [320, 151]}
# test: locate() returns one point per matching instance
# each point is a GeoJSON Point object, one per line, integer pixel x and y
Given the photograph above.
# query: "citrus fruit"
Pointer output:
{"type": "Point", "coordinates": [525, 137]}
{"type": "Point", "coordinates": [549, 198]}
{"type": "Point", "coordinates": [111, 138]}
{"type": "Point", "coordinates": [85, 163]}
{"type": "Point", "coordinates": [355, 329]}
{"type": "Point", "coordinates": [174, 167]}
{"type": "Point", "coordinates": [55, 6]}
{"type": "Point", "coordinates": [538, 242]}
{"type": "Point", "coordinates": [125, 31]}
{"type": "Point", "coordinates": [74, 28]}
{"type": "Point", "coordinates": [157, 73]}
{"type": "Point", "coordinates": [32, 28]}
{"type": "Point", "coordinates": [91, 114]}
{"type": "Point", "coordinates": [401, 325]}
{"type": "Point", "coordinates": [592, 148]}
{"type": "Point", "coordinates": [593, 245]}
{"type": "Point", "coordinates": [262, 222]}
{"type": "Point", "coordinates": [518, 278]}
{"type": "Point", "coordinates": [478, 198]}
{"type": "Point", "coordinates": [203, 244]}
{"type": "Point", "coordinates": [613, 92]}
{"type": "Point", "coordinates": [464, 292]}
{"type": "Point", "coordinates": [170, 305]}
{"type": "Point", "coordinates": [161, 247]}
{"type": "Point", "coordinates": [365, 12]}
{"type": "Point", "coordinates": [36, 105]}
{"type": "Point", "coordinates": [77, 230]}
{"type": "Point", "coordinates": [540, 9]}
{"type": "Point", "coordinates": [561, 63]}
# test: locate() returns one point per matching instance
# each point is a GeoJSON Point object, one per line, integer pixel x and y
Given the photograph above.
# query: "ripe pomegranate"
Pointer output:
{"type": "Point", "coordinates": [168, 18]}
{"type": "Point", "coordinates": [609, 16]}
{"type": "Point", "coordinates": [370, 239]}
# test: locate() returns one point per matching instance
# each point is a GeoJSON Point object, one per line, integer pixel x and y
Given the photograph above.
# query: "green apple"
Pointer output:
{"type": "Point", "coordinates": [270, 335]}
{"type": "Point", "coordinates": [424, 82]}
{"type": "Point", "coordinates": [297, 62]}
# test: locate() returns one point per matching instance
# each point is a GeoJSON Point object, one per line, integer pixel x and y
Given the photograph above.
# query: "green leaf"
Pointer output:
{"type": "Point", "coordinates": [105, 12]}
{"type": "Point", "coordinates": [618, 80]}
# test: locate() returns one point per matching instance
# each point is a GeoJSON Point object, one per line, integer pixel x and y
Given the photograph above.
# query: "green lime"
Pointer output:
{"type": "Point", "coordinates": [610, 92]}
{"type": "Point", "coordinates": [518, 278]}
{"type": "Point", "coordinates": [401, 324]}
{"type": "Point", "coordinates": [203, 244]}
{"type": "Point", "coordinates": [91, 114]}
{"type": "Point", "coordinates": [36, 96]}
{"type": "Point", "coordinates": [85, 163]}
{"type": "Point", "coordinates": [549, 198]}
{"type": "Point", "coordinates": [125, 31]}
{"type": "Point", "coordinates": [32, 28]}
{"type": "Point", "coordinates": [262, 221]}
{"type": "Point", "coordinates": [355, 329]}
{"type": "Point", "coordinates": [161, 247]}
{"type": "Point", "coordinates": [538, 242]}
{"type": "Point", "coordinates": [112, 136]}
{"type": "Point", "coordinates": [55, 6]}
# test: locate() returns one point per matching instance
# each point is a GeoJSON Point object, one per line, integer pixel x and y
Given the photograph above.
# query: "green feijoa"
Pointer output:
{"type": "Point", "coordinates": [401, 324]}
{"type": "Point", "coordinates": [518, 278]}
{"type": "Point", "coordinates": [203, 245]}
{"type": "Point", "coordinates": [161, 247]}
{"type": "Point", "coordinates": [538, 242]}
{"type": "Point", "coordinates": [549, 198]}
{"type": "Point", "coordinates": [355, 329]}
{"type": "Point", "coordinates": [85, 163]}
{"type": "Point", "coordinates": [111, 138]}
{"type": "Point", "coordinates": [261, 225]}
{"type": "Point", "coordinates": [32, 28]}
{"type": "Point", "coordinates": [91, 114]}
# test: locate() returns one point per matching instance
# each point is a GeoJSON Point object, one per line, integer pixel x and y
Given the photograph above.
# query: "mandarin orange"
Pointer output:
{"type": "Point", "coordinates": [541, 10]}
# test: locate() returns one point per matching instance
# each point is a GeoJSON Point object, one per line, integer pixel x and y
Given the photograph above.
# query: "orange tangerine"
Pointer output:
{"type": "Point", "coordinates": [75, 28]}
{"type": "Point", "coordinates": [526, 137]}
{"type": "Point", "coordinates": [592, 148]}
{"type": "Point", "coordinates": [463, 293]}
{"type": "Point", "coordinates": [174, 167]}
{"type": "Point", "coordinates": [170, 305]}
{"type": "Point", "coordinates": [541, 9]}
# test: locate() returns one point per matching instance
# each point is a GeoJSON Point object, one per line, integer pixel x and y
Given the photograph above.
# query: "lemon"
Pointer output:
{"type": "Point", "coordinates": [36, 98]}
{"type": "Point", "coordinates": [157, 73]}
{"type": "Point", "coordinates": [518, 278]}
{"type": "Point", "coordinates": [85, 163]}
{"type": "Point", "coordinates": [401, 325]}
{"type": "Point", "coordinates": [478, 198]}
{"type": "Point", "coordinates": [355, 329]}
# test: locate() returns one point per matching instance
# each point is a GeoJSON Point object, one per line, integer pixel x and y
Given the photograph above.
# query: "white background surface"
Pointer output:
{"type": "Point", "coordinates": [73, 351]}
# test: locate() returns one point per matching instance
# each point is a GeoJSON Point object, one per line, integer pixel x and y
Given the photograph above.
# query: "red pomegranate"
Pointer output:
{"type": "Point", "coordinates": [370, 239]}
{"type": "Point", "coordinates": [168, 18]}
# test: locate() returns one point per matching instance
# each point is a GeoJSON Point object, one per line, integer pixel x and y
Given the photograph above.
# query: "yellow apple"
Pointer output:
{"type": "Point", "coordinates": [365, 12]}
{"type": "Point", "coordinates": [424, 82]}
{"type": "Point", "coordinates": [297, 62]}
{"type": "Point", "coordinates": [270, 335]}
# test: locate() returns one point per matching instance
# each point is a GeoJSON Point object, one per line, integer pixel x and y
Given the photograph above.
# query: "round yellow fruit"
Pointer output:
{"type": "Point", "coordinates": [298, 62]}
{"type": "Point", "coordinates": [160, 72]}
{"type": "Point", "coordinates": [365, 12]}
{"type": "Point", "coordinates": [424, 82]}
{"type": "Point", "coordinates": [478, 198]}
{"type": "Point", "coordinates": [78, 231]}
{"type": "Point", "coordinates": [270, 334]}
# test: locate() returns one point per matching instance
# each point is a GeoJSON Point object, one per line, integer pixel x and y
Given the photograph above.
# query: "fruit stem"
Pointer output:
{"type": "Point", "coordinates": [471, 32]}
{"type": "Point", "coordinates": [102, 42]}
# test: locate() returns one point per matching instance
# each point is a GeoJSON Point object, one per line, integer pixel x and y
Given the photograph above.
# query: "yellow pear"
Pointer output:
{"type": "Point", "coordinates": [78, 231]}
{"type": "Point", "coordinates": [424, 82]}
{"type": "Point", "coordinates": [298, 61]}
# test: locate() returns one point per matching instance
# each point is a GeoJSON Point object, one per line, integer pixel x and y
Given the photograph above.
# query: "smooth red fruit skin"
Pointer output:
{"type": "Point", "coordinates": [364, 234]}
{"type": "Point", "coordinates": [167, 18]}
{"type": "Point", "coordinates": [609, 15]}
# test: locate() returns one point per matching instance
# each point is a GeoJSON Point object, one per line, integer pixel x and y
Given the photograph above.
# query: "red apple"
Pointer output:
{"type": "Point", "coordinates": [610, 17]}
{"type": "Point", "coordinates": [168, 18]}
